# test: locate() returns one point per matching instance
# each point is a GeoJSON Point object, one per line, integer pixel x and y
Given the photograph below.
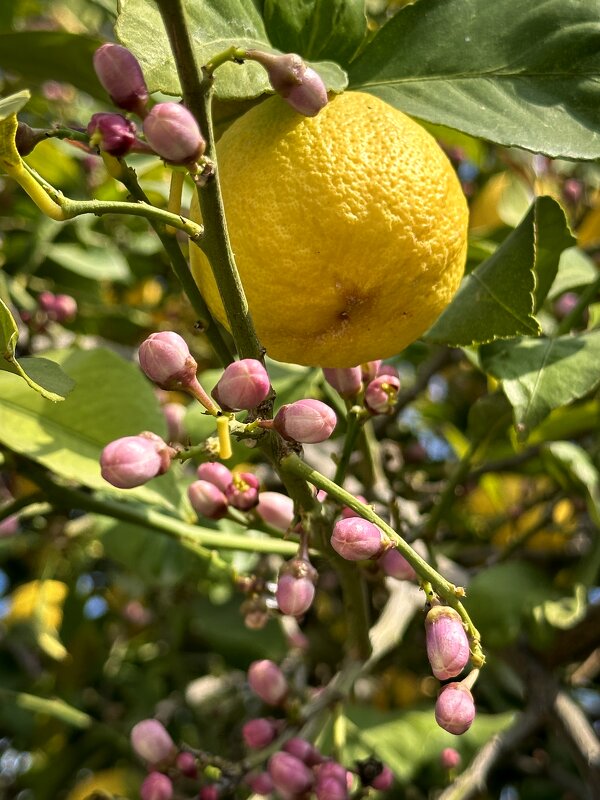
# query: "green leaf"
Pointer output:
{"type": "Point", "coordinates": [539, 375]}
{"type": "Point", "coordinates": [575, 269]}
{"type": "Point", "coordinates": [317, 29]}
{"type": "Point", "coordinates": [98, 264]}
{"type": "Point", "coordinates": [581, 470]}
{"type": "Point", "coordinates": [529, 79]}
{"type": "Point", "coordinates": [496, 300]}
{"type": "Point", "coordinates": [13, 103]}
{"type": "Point", "coordinates": [39, 56]}
{"type": "Point", "coordinates": [42, 375]}
{"type": "Point", "coordinates": [214, 26]}
{"type": "Point", "coordinates": [111, 399]}
{"type": "Point", "coordinates": [553, 236]}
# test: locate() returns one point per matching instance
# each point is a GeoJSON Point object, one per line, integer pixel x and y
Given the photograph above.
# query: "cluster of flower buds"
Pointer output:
{"type": "Point", "coordinates": [134, 460]}
{"type": "Point", "coordinates": [217, 488]}
{"type": "Point", "coordinates": [57, 307]}
{"type": "Point", "coordinates": [376, 383]}
{"type": "Point", "coordinates": [298, 84]}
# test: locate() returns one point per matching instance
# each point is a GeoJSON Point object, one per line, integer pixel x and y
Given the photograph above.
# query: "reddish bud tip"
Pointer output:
{"type": "Point", "coordinates": [347, 382]}
{"type": "Point", "coordinates": [242, 492]}
{"type": "Point", "coordinates": [396, 566]}
{"type": "Point", "coordinates": [455, 708]}
{"type": "Point", "coordinates": [165, 358]}
{"type": "Point", "coordinates": [173, 133]}
{"type": "Point", "coordinates": [447, 642]}
{"type": "Point", "coordinates": [243, 385]}
{"type": "Point", "coordinates": [267, 681]}
{"type": "Point", "coordinates": [120, 74]}
{"type": "Point", "coordinates": [303, 750]}
{"type": "Point", "coordinates": [151, 742]}
{"type": "Point", "coordinates": [450, 758]}
{"type": "Point", "coordinates": [260, 782]}
{"type": "Point", "coordinates": [384, 780]}
{"type": "Point", "coordinates": [186, 764]}
{"type": "Point", "coordinates": [59, 307]}
{"type": "Point", "coordinates": [290, 775]}
{"type": "Point", "coordinates": [209, 792]}
{"type": "Point", "coordinates": [156, 786]}
{"type": "Point", "coordinates": [381, 394]}
{"type": "Point", "coordinates": [112, 133]}
{"type": "Point", "coordinates": [258, 733]}
{"type": "Point", "coordinates": [207, 499]}
{"type": "Point", "coordinates": [134, 460]}
{"type": "Point", "coordinates": [305, 421]}
{"type": "Point", "coordinates": [277, 509]}
{"type": "Point", "coordinates": [355, 539]}
{"type": "Point", "coordinates": [215, 472]}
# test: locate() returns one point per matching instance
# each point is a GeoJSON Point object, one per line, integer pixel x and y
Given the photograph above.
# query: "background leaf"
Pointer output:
{"type": "Point", "coordinates": [101, 264]}
{"type": "Point", "coordinates": [14, 103]}
{"type": "Point", "coordinates": [539, 375]}
{"type": "Point", "coordinates": [528, 79]}
{"type": "Point", "coordinates": [575, 269]}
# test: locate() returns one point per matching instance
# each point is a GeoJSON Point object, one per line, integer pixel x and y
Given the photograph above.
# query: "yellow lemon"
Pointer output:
{"type": "Point", "coordinates": [349, 229]}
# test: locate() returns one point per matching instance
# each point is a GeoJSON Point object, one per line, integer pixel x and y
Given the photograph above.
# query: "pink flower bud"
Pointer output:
{"type": "Point", "coordinates": [370, 370]}
{"type": "Point", "coordinates": [348, 512]}
{"type": "Point", "coordinates": [450, 758]}
{"type": "Point", "coordinates": [151, 742]}
{"type": "Point", "coordinates": [174, 414]}
{"type": "Point", "coordinates": [207, 500]}
{"type": "Point", "coordinates": [242, 492]}
{"type": "Point", "coordinates": [243, 385]}
{"type": "Point", "coordinates": [347, 382]}
{"type": "Point", "coordinates": [120, 74]}
{"type": "Point", "coordinates": [186, 764]}
{"type": "Point", "coordinates": [328, 787]}
{"type": "Point", "coordinates": [332, 769]}
{"type": "Point", "coordinates": [455, 708]}
{"type": "Point", "coordinates": [277, 509]}
{"type": "Point", "coordinates": [381, 394]}
{"type": "Point", "coordinates": [355, 539]}
{"type": "Point", "coordinates": [260, 782]}
{"type": "Point", "coordinates": [296, 587]}
{"type": "Point", "coordinates": [209, 792]}
{"type": "Point", "coordinates": [299, 85]}
{"type": "Point", "coordinates": [166, 360]}
{"type": "Point", "coordinates": [112, 133]}
{"type": "Point", "coordinates": [259, 733]}
{"type": "Point", "coordinates": [215, 472]}
{"type": "Point", "coordinates": [267, 681]}
{"type": "Point", "coordinates": [565, 304]}
{"type": "Point", "coordinates": [46, 301]}
{"type": "Point", "coordinates": [384, 780]}
{"type": "Point", "coordinates": [65, 308]}
{"type": "Point", "coordinates": [134, 460]}
{"type": "Point", "coordinates": [156, 786]}
{"type": "Point", "coordinates": [396, 566]}
{"type": "Point", "coordinates": [305, 421]}
{"type": "Point", "coordinates": [290, 775]}
{"type": "Point", "coordinates": [303, 750]}
{"type": "Point", "coordinates": [447, 643]}
{"type": "Point", "coordinates": [173, 133]}
{"type": "Point", "coordinates": [387, 369]}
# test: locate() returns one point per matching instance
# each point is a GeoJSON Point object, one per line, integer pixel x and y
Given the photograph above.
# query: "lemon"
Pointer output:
{"type": "Point", "coordinates": [349, 229]}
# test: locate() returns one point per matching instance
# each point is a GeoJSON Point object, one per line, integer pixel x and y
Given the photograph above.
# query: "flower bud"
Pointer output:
{"type": "Point", "coordinates": [396, 566]}
{"type": "Point", "coordinates": [186, 764]}
{"type": "Point", "coordinates": [46, 301]}
{"type": "Point", "coordinates": [277, 509]}
{"type": "Point", "coordinates": [348, 512]}
{"type": "Point", "coordinates": [120, 74]}
{"type": "Point", "coordinates": [267, 681]}
{"type": "Point", "coordinates": [173, 133]}
{"type": "Point", "coordinates": [355, 539]}
{"type": "Point", "coordinates": [447, 643]}
{"type": "Point", "coordinates": [243, 385]}
{"type": "Point", "coordinates": [134, 460]}
{"type": "Point", "coordinates": [112, 133]}
{"type": "Point", "coordinates": [174, 414]}
{"type": "Point", "coordinates": [450, 758]}
{"type": "Point", "coordinates": [260, 782]}
{"type": "Point", "coordinates": [209, 792]}
{"type": "Point", "coordinates": [373, 773]}
{"type": "Point", "coordinates": [384, 780]}
{"type": "Point", "coordinates": [151, 742]}
{"type": "Point", "coordinates": [156, 786]}
{"type": "Point", "coordinates": [258, 733]}
{"type": "Point", "coordinates": [166, 359]}
{"type": "Point", "coordinates": [215, 472]}
{"type": "Point", "coordinates": [305, 421]}
{"type": "Point", "coordinates": [65, 308]}
{"type": "Point", "coordinates": [381, 394]}
{"type": "Point", "coordinates": [296, 587]}
{"type": "Point", "coordinates": [303, 750]}
{"type": "Point", "coordinates": [370, 370]}
{"type": "Point", "coordinates": [387, 369]}
{"type": "Point", "coordinates": [207, 499]}
{"type": "Point", "coordinates": [290, 775]}
{"type": "Point", "coordinates": [455, 708]}
{"type": "Point", "coordinates": [565, 304]}
{"type": "Point", "coordinates": [332, 781]}
{"type": "Point", "coordinates": [300, 86]}
{"type": "Point", "coordinates": [347, 382]}
{"type": "Point", "coordinates": [242, 492]}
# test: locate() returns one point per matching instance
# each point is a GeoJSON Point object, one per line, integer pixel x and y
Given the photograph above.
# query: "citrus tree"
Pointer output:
{"type": "Point", "coordinates": [298, 404]}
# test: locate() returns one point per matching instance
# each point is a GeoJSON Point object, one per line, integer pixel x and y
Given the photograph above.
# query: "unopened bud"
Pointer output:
{"type": "Point", "coordinates": [242, 492]}
{"type": "Point", "coordinates": [296, 587]}
{"type": "Point", "coordinates": [447, 643]}
{"type": "Point", "coordinates": [258, 733]}
{"type": "Point", "coordinates": [151, 742]}
{"type": "Point", "coordinates": [290, 775]}
{"type": "Point", "coordinates": [373, 773]}
{"type": "Point", "coordinates": [267, 681]}
{"type": "Point", "coordinates": [277, 509]}
{"type": "Point", "coordinates": [166, 360]}
{"type": "Point", "coordinates": [260, 782]}
{"type": "Point", "coordinates": [59, 307]}
{"type": "Point", "coordinates": [303, 750]}
{"type": "Point", "coordinates": [134, 460]}
{"type": "Point", "coordinates": [243, 385]}
{"type": "Point", "coordinates": [347, 382]}
{"type": "Point", "coordinates": [332, 781]}
{"type": "Point", "coordinates": [455, 708]}
{"type": "Point", "coordinates": [384, 780]}
{"type": "Point", "coordinates": [450, 758]}
{"type": "Point", "coordinates": [216, 473]}
{"type": "Point", "coordinates": [173, 133]}
{"type": "Point", "coordinates": [299, 85]}
{"type": "Point", "coordinates": [396, 566]}
{"type": "Point", "coordinates": [356, 539]}
{"type": "Point", "coordinates": [174, 414]}
{"type": "Point", "coordinates": [207, 499]}
{"type": "Point", "coordinates": [209, 792]}
{"type": "Point", "coordinates": [381, 394]}
{"type": "Point", "coordinates": [186, 764]}
{"type": "Point", "coordinates": [120, 74]}
{"type": "Point", "coordinates": [387, 369]}
{"type": "Point", "coordinates": [370, 370]}
{"type": "Point", "coordinates": [306, 421]}
{"type": "Point", "coordinates": [112, 133]}
{"type": "Point", "coordinates": [156, 786]}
